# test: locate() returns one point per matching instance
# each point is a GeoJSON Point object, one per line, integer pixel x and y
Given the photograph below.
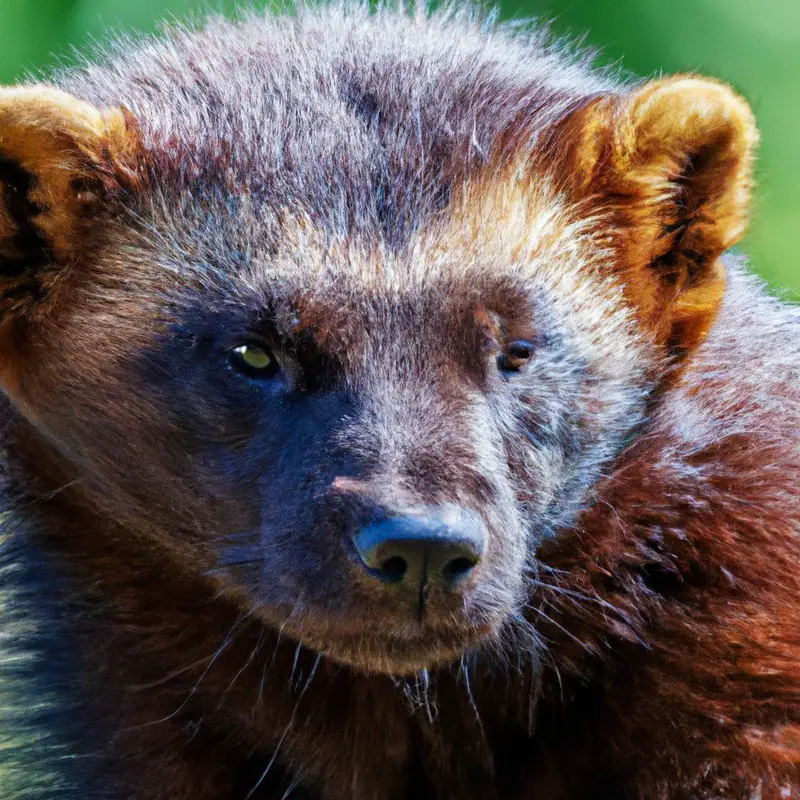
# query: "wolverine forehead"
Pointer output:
{"type": "Point", "coordinates": [500, 227]}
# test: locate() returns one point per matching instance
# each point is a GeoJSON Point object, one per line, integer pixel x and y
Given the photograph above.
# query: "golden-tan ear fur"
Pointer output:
{"type": "Point", "coordinates": [57, 156]}
{"type": "Point", "coordinates": [670, 165]}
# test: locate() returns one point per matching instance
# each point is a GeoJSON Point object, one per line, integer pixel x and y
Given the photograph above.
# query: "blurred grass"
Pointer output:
{"type": "Point", "coordinates": [754, 46]}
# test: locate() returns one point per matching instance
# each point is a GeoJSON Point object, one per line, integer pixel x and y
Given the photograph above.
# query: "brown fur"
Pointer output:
{"type": "Point", "coordinates": [388, 203]}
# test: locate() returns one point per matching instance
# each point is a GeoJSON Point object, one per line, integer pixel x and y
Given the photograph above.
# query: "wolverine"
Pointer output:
{"type": "Point", "coordinates": [384, 417]}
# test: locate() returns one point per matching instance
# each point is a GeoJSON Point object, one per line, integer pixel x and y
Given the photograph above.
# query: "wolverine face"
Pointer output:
{"type": "Point", "coordinates": [350, 359]}
{"type": "Point", "coordinates": [358, 455]}
{"type": "Point", "coordinates": [367, 470]}
{"type": "Point", "coordinates": [362, 447]}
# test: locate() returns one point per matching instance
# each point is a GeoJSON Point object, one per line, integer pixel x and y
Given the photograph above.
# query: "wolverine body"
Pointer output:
{"type": "Point", "coordinates": [384, 420]}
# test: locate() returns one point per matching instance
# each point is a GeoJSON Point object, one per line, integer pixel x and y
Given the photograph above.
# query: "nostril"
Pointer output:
{"type": "Point", "coordinates": [417, 551]}
{"type": "Point", "coordinates": [458, 568]}
{"type": "Point", "coordinates": [393, 569]}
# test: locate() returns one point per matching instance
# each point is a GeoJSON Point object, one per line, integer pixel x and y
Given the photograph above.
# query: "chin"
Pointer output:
{"type": "Point", "coordinates": [388, 636]}
{"type": "Point", "coordinates": [398, 654]}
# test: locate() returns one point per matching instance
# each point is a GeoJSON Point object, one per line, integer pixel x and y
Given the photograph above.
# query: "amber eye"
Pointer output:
{"type": "Point", "coordinates": [253, 360]}
{"type": "Point", "coordinates": [515, 356]}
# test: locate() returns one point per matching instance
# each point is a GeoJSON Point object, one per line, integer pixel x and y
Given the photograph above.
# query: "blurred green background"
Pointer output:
{"type": "Point", "coordinates": [753, 45]}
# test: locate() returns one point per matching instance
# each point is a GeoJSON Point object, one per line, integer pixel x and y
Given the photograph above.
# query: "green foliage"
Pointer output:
{"type": "Point", "coordinates": [754, 46]}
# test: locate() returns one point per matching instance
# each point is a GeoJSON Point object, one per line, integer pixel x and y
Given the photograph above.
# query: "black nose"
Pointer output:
{"type": "Point", "coordinates": [418, 550]}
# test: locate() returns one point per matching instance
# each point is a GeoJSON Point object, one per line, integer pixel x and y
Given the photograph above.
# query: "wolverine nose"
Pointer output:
{"type": "Point", "coordinates": [419, 550]}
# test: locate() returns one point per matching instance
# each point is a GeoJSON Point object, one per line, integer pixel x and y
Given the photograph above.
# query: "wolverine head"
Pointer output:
{"type": "Point", "coordinates": [350, 326]}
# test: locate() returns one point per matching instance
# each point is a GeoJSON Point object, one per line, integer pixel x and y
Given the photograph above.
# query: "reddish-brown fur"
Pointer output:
{"type": "Point", "coordinates": [186, 617]}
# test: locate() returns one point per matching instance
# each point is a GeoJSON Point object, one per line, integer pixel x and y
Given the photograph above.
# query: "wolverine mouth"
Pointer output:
{"type": "Point", "coordinates": [397, 652]}
{"type": "Point", "coordinates": [391, 638]}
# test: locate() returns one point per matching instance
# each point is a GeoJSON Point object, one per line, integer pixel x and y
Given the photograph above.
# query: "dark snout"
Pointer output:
{"type": "Point", "coordinates": [439, 548]}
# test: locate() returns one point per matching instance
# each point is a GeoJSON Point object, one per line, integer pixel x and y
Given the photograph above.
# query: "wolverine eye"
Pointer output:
{"type": "Point", "coordinates": [515, 356]}
{"type": "Point", "coordinates": [252, 360]}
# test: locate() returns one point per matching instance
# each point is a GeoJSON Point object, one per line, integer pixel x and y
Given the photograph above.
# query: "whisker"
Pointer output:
{"type": "Point", "coordinates": [573, 593]}
{"type": "Point", "coordinates": [294, 664]}
{"type": "Point", "coordinates": [286, 729]}
{"type": "Point", "coordinates": [291, 787]}
{"type": "Point", "coordinates": [140, 687]}
{"type": "Point", "coordinates": [63, 488]}
{"type": "Point", "coordinates": [576, 596]}
{"type": "Point", "coordinates": [426, 685]}
{"type": "Point", "coordinates": [465, 671]}
{"type": "Point", "coordinates": [269, 664]}
{"type": "Point", "coordinates": [243, 563]}
{"type": "Point", "coordinates": [229, 536]}
{"type": "Point", "coordinates": [253, 653]}
{"type": "Point", "coordinates": [220, 650]}
{"type": "Point", "coordinates": [549, 619]}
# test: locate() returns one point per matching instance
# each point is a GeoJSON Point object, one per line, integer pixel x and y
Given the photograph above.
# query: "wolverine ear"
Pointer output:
{"type": "Point", "coordinates": [59, 157]}
{"type": "Point", "coordinates": [670, 165]}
